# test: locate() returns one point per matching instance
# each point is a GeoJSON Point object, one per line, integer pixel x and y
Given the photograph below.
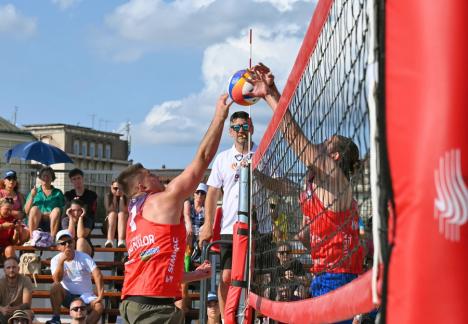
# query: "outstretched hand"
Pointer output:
{"type": "Point", "coordinates": [222, 106]}
{"type": "Point", "coordinates": [263, 81]}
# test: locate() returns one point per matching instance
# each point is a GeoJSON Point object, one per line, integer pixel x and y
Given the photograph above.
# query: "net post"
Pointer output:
{"type": "Point", "coordinates": [244, 217]}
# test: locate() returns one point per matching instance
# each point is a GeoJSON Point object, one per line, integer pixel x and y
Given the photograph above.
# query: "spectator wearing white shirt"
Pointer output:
{"type": "Point", "coordinates": [71, 272]}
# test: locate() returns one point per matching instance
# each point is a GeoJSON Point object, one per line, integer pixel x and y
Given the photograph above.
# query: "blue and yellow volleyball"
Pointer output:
{"type": "Point", "coordinates": [239, 88]}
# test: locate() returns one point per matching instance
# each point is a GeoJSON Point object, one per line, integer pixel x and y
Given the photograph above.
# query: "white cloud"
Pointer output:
{"type": "Point", "coordinates": [141, 26]}
{"type": "Point", "coordinates": [65, 4]}
{"type": "Point", "coordinates": [184, 121]}
{"type": "Point", "coordinates": [13, 23]}
{"type": "Point", "coordinates": [282, 5]}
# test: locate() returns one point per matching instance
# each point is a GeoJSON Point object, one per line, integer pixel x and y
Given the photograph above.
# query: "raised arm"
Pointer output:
{"type": "Point", "coordinates": [183, 185]}
{"type": "Point", "coordinates": [265, 87]}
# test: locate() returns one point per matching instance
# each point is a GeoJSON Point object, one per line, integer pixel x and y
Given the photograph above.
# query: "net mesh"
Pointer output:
{"type": "Point", "coordinates": [310, 193]}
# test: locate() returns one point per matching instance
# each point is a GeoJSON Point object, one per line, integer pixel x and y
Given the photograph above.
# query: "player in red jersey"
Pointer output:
{"type": "Point", "coordinates": [156, 232]}
{"type": "Point", "coordinates": [327, 203]}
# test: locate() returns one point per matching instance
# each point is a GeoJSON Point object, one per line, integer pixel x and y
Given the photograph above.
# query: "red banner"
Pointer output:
{"type": "Point", "coordinates": [427, 132]}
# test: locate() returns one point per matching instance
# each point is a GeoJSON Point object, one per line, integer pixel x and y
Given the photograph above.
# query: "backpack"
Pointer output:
{"type": "Point", "coordinates": [42, 239]}
{"type": "Point", "coordinates": [30, 264]}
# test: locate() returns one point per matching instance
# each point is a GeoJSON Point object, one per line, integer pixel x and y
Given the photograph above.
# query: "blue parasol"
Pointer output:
{"type": "Point", "coordinates": [38, 151]}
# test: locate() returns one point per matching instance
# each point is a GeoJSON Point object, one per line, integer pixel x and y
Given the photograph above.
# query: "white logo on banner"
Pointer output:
{"type": "Point", "coordinates": [451, 203]}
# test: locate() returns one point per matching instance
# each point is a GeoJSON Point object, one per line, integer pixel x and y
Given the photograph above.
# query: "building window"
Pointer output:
{"type": "Point", "coordinates": [108, 151]}
{"type": "Point", "coordinates": [92, 152]}
{"type": "Point", "coordinates": [84, 148]}
{"type": "Point", "coordinates": [99, 151]}
{"type": "Point", "coordinates": [76, 147]}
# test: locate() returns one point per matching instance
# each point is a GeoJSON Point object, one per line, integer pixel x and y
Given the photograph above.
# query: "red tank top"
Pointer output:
{"type": "Point", "coordinates": [155, 263]}
{"type": "Point", "coordinates": [334, 237]}
{"type": "Point", "coordinates": [6, 234]}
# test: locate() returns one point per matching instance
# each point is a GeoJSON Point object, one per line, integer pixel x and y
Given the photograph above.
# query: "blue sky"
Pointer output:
{"type": "Point", "coordinates": [160, 65]}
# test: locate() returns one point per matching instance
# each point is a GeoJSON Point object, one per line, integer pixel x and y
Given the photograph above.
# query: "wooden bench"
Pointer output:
{"type": "Point", "coordinates": [44, 278]}
{"type": "Point", "coordinates": [103, 265]}
{"type": "Point", "coordinates": [54, 248]}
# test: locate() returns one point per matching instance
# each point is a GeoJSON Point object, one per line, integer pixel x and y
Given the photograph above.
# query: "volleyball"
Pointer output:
{"type": "Point", "coordinates": [239, 88]}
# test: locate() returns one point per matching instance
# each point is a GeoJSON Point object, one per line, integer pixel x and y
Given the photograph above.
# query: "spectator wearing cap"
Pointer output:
{"type": "Point", "coordinates": [15, 294]}
{"type": "Point", "coordinates": [194, 215]}
{"type": "Point", "coordinates": [87, 199]}
{"type": "Point", "coordinates": [9, 188]}
{"type": "Point", "coordinates": [72, 271]}
{"type": "Point", "coordinates": [44, 204]}
{"type": "Point", "coordinates": [19, 317]}
{"type": "Point", "coordinates": [78, 311]}
{"type": "Point", "coordinates": [212, 309]}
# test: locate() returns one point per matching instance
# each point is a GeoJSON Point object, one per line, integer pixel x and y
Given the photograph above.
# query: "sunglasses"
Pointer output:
{"type": "Point", "coordinates": [78, 308]}
{"type": "Point", "coordinates": [283, 252]}
{"type": "Point", "coordinates": [69, 242]}
{"type": "Point", "coordinates": [115, 188]}
{"type": "Point", "coordinates": [245, 127]}
{"type": "Point", "coordinates": [200, 192]}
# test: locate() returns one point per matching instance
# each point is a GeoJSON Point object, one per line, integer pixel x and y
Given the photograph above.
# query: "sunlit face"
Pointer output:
{"type": "Point", "coordinates": [76, 210]}
{"type": "Point", "coordinates": [10, 183]}
{"type": "Point", "coordinates": [149, 182]}
{"type": "Point", "coordinates": [283, 254]}
{"type": "Point", "coordinates": [77, 181]}
{"type": "Point", "coordinates": [11, 269]}
{"type": "Point", "coordinates": [46, 177]}
{"type": "Point", "coordinates": [237, 130]}
{"type": "Point", "coordinates": [212, 309]}
{"type": "Point", "coordinates": [199, 196]}
{"type": "Point", "coordinates": [115, 189]}
{"type": "Point", "coordinates": [5, 209]}
{"type": "Point", "coordinates": [78, 310]}
{"type": "Point", "coordinates": [66, 243]}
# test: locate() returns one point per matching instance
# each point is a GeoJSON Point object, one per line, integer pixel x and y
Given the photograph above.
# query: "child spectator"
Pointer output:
{"type": "Point", "coordinates": [12, 230]}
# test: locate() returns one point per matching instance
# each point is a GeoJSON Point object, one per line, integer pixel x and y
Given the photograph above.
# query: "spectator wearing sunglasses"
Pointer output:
{"type": "Point", "coordinates": [194, 215]}
{"type": "Point", "coordinates": [225, 174]}
{"type": "Point", "coordinates": [78, 311]}
{"type": "Point", "coordinates": [81, 226]}
{"type": "Point", "coordinates": [117, 214]}
{"type": "Point", "coordinates": [9, 188]}
{"type": "Point", "coordinates": [72, 271]}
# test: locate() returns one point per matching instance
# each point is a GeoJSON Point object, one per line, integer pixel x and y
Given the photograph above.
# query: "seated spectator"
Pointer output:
{"type": "Point", "coordinates": [71, 272]}
{"type": "Point", "coordinates": [77, 218]}
{"type": "Point", "coordinates": [9, 188]}
{"type": "Point", "coordinates": [194, 216]}
{"type": "Point", "coordinates": [290, 273]}
{"type": "Point", "coordinates": [44, 204]}
{"type": "Point", "coordinates": [117, 214]}
{"type": "Point", "coordinates": [15, 293]}
{"type": "Point", "coordinates": [78, 311]}
{"type": "Point", "coordinates": [212, 309]}
{"type": "Point", "coordinates": [89, 199]}
{"type": "Point", "coordinates": [12, 230]}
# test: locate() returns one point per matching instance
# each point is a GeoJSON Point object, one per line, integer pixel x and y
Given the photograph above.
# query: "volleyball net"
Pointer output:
{"type": "Point", "coordinates": [311, 192]}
